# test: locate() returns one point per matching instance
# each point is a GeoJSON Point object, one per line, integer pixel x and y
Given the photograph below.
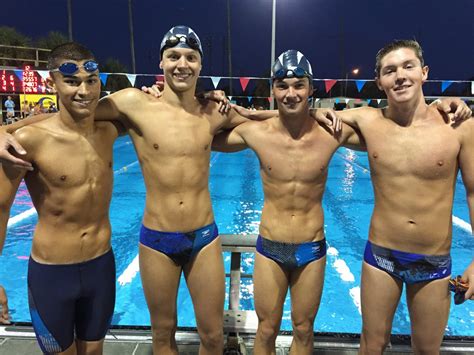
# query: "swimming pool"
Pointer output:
{"type": "Point", "coordinates": [237, 198]}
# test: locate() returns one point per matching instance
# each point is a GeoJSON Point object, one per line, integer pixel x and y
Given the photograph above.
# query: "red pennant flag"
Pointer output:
{"type": "Point", "coordinates": [270, 99]}
{"type": "Point", "coordinates": [244, 82]}
{"type": "Point", "coordinates": [160, 77]}
{"type": "Point", "coordinates": [329, 84]}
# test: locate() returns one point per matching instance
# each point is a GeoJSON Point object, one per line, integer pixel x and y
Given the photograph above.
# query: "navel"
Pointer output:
{"type": "Point", "coordinates": [269, 167]}
{"type": "Point", "coordinates": [156, 146]}
{"type": "Point", "coordinates": [206, 146]}
{"type": "Point", "coordinates": [63, 177]}
{"type": "Point", "coordinates": [440, 163]}
{"type": "Point", "coordinates": [375, 155]}
{"type": "Point", "coordinates": [322, 168]}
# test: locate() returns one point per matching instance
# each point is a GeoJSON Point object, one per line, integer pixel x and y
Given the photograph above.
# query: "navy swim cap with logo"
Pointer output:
{"type": "Point", "coordinates": [291, 64]}
{"type": "Point", "coordinates": [181, 37]}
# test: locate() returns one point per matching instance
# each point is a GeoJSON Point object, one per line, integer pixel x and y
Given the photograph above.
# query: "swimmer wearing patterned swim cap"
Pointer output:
{"type": "Point", "coordinates": [292, 64]}
{"type": "Point", "coordinates": [181, 37]}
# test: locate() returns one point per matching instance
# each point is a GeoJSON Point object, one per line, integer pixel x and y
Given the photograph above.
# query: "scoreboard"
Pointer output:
{"type": "Point", "coordinates": [26, 81]}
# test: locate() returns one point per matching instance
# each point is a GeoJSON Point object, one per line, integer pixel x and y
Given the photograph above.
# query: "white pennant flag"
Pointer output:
{"type": "Point", "coordinates": [317, 100]}
{"type": "Point", "coordinates": [230, 98]}
{"type": "Point", "coordinates": [378, 101]}
{"type": "Point", "coordinates": [107, 92]}
{"type": "Point", "coordinates": [44, 74]}
{"type": "Point", "coordinates": [132, 78]}
{"type": "Point", "coordinates": [472, 87]}
{"type": "Point", "coordinates": [347, 101]}
{"type": "Point", "coordinates": [215, 81]}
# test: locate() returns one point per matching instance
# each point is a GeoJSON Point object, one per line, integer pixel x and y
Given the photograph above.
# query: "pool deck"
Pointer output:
{"type": "Point", "coordinates": [19, 340]}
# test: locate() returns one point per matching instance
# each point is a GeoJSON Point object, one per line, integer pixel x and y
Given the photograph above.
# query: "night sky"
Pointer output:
{"type": "Point", "coordinates": [336, 35]}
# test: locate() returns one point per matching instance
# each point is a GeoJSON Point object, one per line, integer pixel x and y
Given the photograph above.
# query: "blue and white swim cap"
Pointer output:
{"type": "Point", "coordinates": [181, 37]}
{"type": "Point", "coordinates": [290, 64]}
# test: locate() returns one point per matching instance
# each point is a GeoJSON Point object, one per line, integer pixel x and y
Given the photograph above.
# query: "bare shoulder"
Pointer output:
{"type": "Point", "coordinates": [366, 112]}
{"type": "Point", "coordinates": [32, 135]}
{"type": "Point", "coordinates": [129, 95]}
{"type": "Point", "coordinates": [466, 128]}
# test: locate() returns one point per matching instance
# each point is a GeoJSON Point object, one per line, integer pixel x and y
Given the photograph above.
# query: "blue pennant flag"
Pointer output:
{"type": "Point", "coordinates": [336, 101]}
{"type": "Point", "coordinates": [103, 77]}
{"type": "Point", "coordinates": [360, 84]}
{"type": "Point", "coordinates": [250, 99]}
{"type": "Point", "coordinates": [19, 74]}
{"type": "Point", "coordinates": [445, 84]}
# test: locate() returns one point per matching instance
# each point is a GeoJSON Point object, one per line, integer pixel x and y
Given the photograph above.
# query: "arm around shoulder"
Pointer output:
{"type": "Point", "coordinates": [119, 105]}
{"type": "Point", "coordinates": [231, 140]}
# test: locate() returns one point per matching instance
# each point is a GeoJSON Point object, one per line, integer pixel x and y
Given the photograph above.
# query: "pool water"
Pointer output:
{"type": "Point", "coordinates": [237, 199]}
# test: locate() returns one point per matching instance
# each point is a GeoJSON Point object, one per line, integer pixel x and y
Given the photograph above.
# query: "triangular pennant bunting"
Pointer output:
{"type": "Point", "coordinates": [103, 77]}
{"type": "Point", "coordinates": [472, 87]}
{"type": "Point", "coordinates": [244, 82]}
{"type": "Point", "coordinates": [44, 74]}
{"type": "Point", "coordinates": [378, 101]}
{"type": "Point", "coordinates": [445, 84]}
{"type": "Point", "coordinates": [215, 81]}
{"type": "Point", "coordinates": [249, 98]}
{"type": "Point", "coordinates": [270, 99]}
{"type": "Point", "coordinates": [230, 98]}
{"type": "Point", "coordinates": [329, 84]}
{"type": "Point", "coordinates": [369, 101]}
{"type": "Point", "coordinates": [360, 84]}
{"type": "Point", "coordinates": [19, 74]}
{"type": "Point", "coordinates": [336, 101]}
{"type": "Point", "coordinates": [347, 101]}
{"type": "Point", "coordinates": [107, 92]}
{"type": "Point", "coordinates": [132, 78]}
{"type": "Point", "coordinates": [160, 77]}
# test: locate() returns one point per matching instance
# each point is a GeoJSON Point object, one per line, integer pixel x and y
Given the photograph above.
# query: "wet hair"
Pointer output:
{"type": "Point", "coordinates": [70, 50]}
{"type": "Point", "coordinates": [393, 46]}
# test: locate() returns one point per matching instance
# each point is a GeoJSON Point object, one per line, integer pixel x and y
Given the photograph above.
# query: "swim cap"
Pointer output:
{"type": "Point", "coordinates": [292, 63]}
{"type": "Point", "coordinates": [181, 37]}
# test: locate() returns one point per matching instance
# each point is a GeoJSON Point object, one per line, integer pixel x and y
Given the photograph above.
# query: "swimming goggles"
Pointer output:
{"type": "Point", "coordinates": [70, 68]}
{"type": "Point", "coordinates": [173, 40]}
{"type": "Point", "coordinates": [290, 73]}
{"type": "Point", "coordinates": [459, 288]}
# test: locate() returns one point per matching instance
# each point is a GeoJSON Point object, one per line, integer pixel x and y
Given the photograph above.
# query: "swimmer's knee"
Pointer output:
{"type": "Point", "coordinates": [268, 331]}
{"type": "Point", "coordinates": [163, 332]}
{"type": "Point", "coordinates": [374, 341]}
{"type": "Point", "coordinates": [212, 339]}
{"type": "Point", "coordinates": [427, 348]}
{"type": "Point", "coordinates": [303, 330]}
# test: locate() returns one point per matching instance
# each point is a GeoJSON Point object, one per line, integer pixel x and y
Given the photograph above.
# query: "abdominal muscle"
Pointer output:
{"type": "Point", "coordinates": [292, 225]}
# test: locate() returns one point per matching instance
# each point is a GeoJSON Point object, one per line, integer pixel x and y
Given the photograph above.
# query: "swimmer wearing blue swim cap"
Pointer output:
{"type": "Point", "coordinates": [292, 64]}
{"type": "Point", "coordinates": [181, 37]}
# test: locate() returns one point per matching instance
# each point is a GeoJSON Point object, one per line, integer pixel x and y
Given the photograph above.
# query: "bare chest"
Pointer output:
{"type": "Point", "coordinates": [425, 152]}
{"type": "Point", "coordinates": [168, 135]}
{"type": "Point", "coordinates": [288, 160]}
{"type": "Point", "coordinates": [72, 163]}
